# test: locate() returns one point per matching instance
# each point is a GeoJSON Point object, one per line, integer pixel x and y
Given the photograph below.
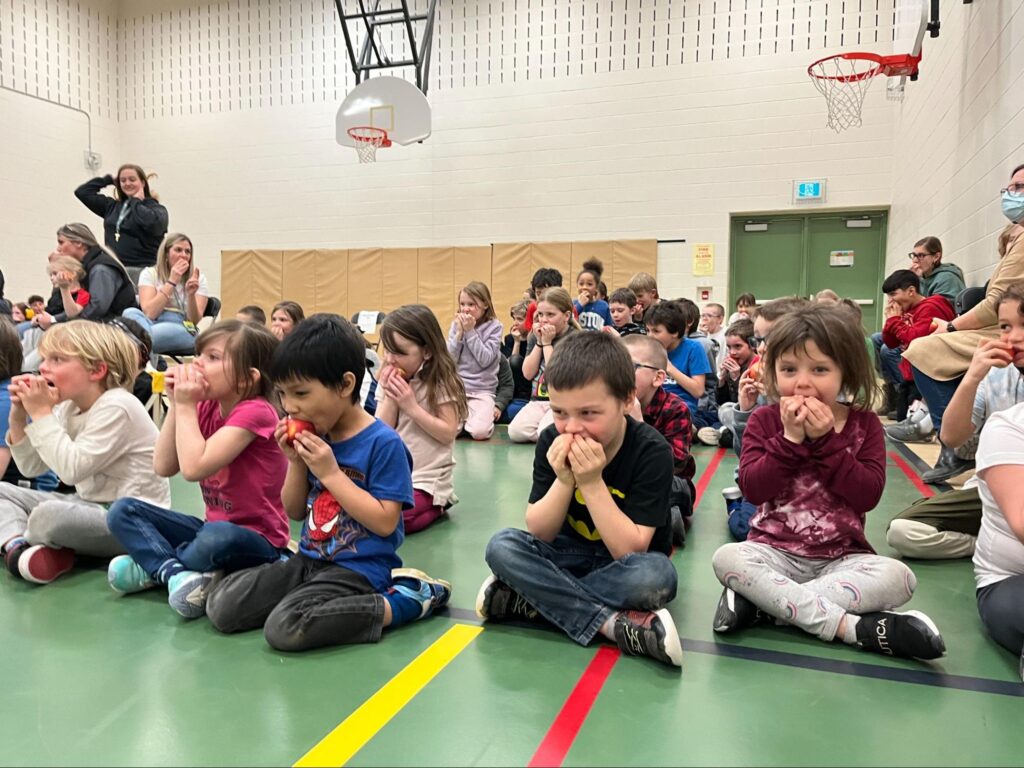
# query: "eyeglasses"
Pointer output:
{"type": "Point", "coordinates": [915, 256]}
{"type": "Point", "coordinates": [1013, 189]}
{"type": "Point", "coordinates": [709, 315]}
{"type": "Point", "coordinates": [756, 341]}
{"type": "Point", "coordinates": [638, 366]}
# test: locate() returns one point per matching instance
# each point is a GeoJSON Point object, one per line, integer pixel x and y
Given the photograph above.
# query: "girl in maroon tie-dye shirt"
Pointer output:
{"type": "Point", "coordinates": [814, 462]}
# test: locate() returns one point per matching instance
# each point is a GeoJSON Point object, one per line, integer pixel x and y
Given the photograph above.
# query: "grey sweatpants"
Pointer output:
{"type": "Point", "coordinates": [813, 594]}
{"type": "Point", "coordinates": [56, 520]}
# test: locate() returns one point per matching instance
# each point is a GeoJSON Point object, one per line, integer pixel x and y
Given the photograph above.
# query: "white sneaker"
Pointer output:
{"type": "Point", "coordinates": [709, 435]}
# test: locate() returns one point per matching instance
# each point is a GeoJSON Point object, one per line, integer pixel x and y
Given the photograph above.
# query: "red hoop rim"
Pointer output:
{"type": "Point", "coordinates": [901, 65]}
{"type": "Point", "coordinates": [369, 134]}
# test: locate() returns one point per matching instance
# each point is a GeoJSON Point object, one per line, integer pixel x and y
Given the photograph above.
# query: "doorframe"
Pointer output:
{"type": "Point", "coordinates": [806, 217]}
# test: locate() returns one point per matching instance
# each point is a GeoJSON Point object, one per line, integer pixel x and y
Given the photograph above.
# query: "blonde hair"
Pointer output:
{"type": "Point", "coordinates": [66, 264]}
{"type": "Point", "coordinates": [643, 282]}
{"type": "Point", "coordinates": [94, 343]}
{"type": "Point", "coordinates": [559, 298]}
{"type": "Point", "coordinates": [481, 294]}
{"type": "Point", "coordinates": [648, 349]}
{"type": "Point", "coordinates": [163, 259]}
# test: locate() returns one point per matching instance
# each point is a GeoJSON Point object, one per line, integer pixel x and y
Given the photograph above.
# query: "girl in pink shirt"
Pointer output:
{"type": "Point", "coordinates": [219, 432]}
{"type": "Point", "coordinates": [814, 462]}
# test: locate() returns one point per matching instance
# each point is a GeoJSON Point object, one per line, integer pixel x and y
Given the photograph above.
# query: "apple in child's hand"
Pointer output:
{"type": "Point", "coordinates": [294, 426]}
{"type": "Point", "coordinates": [754, 371]}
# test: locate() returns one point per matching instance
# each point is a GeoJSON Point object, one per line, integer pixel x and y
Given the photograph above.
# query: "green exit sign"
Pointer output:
{"type": "Point", "coordinates": [809, 191]}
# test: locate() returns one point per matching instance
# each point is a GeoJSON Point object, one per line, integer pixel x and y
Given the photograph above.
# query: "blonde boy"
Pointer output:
{"type": "Point", "coordinates": [80, 419]}
{"type": "Point", "coordinates": [645, 287]}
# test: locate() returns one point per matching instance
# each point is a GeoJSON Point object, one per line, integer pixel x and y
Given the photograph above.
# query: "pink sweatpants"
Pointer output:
{"type": "Point", "coordinates": [423, 512]}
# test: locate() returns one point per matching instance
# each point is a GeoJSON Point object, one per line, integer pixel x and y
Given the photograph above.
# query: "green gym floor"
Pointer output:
{"type": "Point", "coordinates": [90, 678]}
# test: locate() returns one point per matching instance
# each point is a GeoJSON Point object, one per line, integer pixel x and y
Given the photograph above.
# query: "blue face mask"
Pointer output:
{"type": "Point", "coordinates": [1013, 207]}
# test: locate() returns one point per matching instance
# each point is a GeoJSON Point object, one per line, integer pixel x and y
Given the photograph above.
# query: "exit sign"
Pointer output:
{"type": "Point", "coordinates": [809, 191]}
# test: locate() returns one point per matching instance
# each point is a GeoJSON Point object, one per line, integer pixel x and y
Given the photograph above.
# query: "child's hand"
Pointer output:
{"type": "Point", "coordinates": [399, 391]}
{"type": "Point", "coordinates": [316, 454]}
{"type": "Point", "coordinates": [545, 333]}
{"type": "Point", "coordinates": [169, 377]}
{"type": "Point", "coordinates": [36, 396]}
{"type": "Point", "coordinates": [672, 372]}
{"type": "Point", "coordinates": [281, 436]}
{"type": "Point", "coordinates": [991, 353]}
{"type": "Point", "coordinates": [587, 460]}
{"type": "Point", "coordinates": [584, 298]}
{"type": "Point", "coordinates": [468, 322]}
{"type": "Point", "coordinates": [750, 390]}
{"type": "Point", "coordinates": [497, 414]}
{"type": "Point", "coordinates": [731, 368]}
{"type": "Point", "coordinates": [558, 459]}
{"type": "Point", "coordinates": [793, 418]}
{"type": "Point", "coordinates": [818, 418]}
{"type": "Point", "coordinates": [189, 386]}
{"type": "Point", "coordinates": [609, 329]}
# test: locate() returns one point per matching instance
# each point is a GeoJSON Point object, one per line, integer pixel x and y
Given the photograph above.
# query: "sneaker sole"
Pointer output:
{"type": "Point", "coordinates": [673, 648]}
{"type": "Point", "coordinates": [719, 624]}
{"type": "Point", "coordinates": [50, 563]}
{"type": "Point", "coordinates": [924, 619]}
{"type": "Point", "coordinates": [415, 573]}
{"type": "Point", "coordinates": [178, 599]}
{"type": "Point", "coordinates": [117, 590]}
{"type": "Point", "coordinates": [481, 596]}
{"type": "Point", "coordinates": [909, 439]}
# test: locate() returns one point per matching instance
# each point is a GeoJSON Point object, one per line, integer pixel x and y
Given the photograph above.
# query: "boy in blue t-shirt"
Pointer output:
{"type": "Point", "coordinates": [349, 488]}
{"type": "Point", "coordinates": [687, 361]}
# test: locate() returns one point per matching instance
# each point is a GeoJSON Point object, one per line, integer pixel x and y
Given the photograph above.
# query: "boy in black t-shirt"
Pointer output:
{"type": "Point", "coordinates": [594, 557]}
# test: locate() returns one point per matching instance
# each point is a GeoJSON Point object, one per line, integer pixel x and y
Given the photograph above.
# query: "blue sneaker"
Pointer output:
{"type": "Point", "coordinates": [739, 520]}
{"type": "Point", "coordinates": [187, 592]}
{"type": "Point", "coordinates": [432, 593]}
{"type": "Point", "coordinates": [125, 576]}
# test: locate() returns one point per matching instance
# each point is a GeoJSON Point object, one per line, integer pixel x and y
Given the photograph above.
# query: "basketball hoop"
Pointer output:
{"type": "Point", "coordinates": [844, 80]}
{"type": "Point", "coordinates": [368, 139]}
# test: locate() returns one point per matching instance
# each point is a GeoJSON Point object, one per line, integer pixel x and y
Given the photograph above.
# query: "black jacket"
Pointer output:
{"type": "Point", "coordinates": [124, 293]}
{"type": "Point", "coordinates": [143, 227]}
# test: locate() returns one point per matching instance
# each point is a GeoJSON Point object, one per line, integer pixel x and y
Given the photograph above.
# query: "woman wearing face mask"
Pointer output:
{"type": "Point", "coordinates": [134, 223]}
{"type": "Point", "coordinates": [939, 361]}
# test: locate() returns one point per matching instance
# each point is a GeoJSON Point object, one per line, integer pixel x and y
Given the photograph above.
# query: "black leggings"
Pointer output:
{"type": "Point", "coordinates": [1001, 606]}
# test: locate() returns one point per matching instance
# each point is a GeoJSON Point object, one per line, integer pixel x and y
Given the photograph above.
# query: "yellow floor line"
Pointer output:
{"type": "Point", "coordinates": [337, 747]}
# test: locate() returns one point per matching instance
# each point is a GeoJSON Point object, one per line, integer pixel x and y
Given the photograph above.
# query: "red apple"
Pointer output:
{"type": "Point", "coordinates": [294, 426]}
{"type": "Point", "coordinates": [754, 371]}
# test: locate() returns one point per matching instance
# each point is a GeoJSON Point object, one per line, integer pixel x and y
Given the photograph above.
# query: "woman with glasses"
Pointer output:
{"type": "Point", "coordinates": [937, 278]}
{"type": "Point", "coordinates": [939, 361]}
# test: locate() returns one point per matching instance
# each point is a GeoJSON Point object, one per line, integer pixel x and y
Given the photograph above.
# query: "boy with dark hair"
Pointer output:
{"type": "Point", "coordinates": [688, 364]}
{"type": "Point", "coordinates": [669, 415]}
{"type": "Point", "coordinates": [349, 488]}
{"type": "Point", "coordinates": [594, 557]}
{"type": "Point", "coordinates": [908, 316]}
{"type": "Point", "coordinates": [543, 278]}
{"type": "Point", "coordinates": [621, 306]}
{"type": "Point", "coordinates": [252, 313]}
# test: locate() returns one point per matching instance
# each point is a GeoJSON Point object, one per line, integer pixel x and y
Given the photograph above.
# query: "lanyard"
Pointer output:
{"type": "Point", "coordinates": [121, 216]}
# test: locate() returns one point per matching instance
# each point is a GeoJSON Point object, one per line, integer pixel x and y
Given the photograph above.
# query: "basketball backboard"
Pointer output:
{"type": "Point", "coordinates": [390, 103]}
{"type": "Point", "coordinates": [911, 22]}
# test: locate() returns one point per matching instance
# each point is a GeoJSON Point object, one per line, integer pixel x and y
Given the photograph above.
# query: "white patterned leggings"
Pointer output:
{"type": "Point", "coordinates": [813, 594]}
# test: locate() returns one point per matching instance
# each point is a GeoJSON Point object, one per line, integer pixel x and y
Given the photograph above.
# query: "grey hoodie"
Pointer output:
{"type": "Point", "coordinates": [945, 280]}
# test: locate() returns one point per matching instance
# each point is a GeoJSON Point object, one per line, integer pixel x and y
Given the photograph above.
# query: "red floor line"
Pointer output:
{"type": "Point", "coordinates": [563, 730]}
{"type": "Point", "coordinates": [707, 474]}
{"type": "Point", "coordinates": [915, 478]}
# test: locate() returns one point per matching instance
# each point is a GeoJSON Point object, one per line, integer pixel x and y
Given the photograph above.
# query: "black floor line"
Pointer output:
{"type": "Point", "coordinates": [917, 463]}
{"type": "Point", "coordinates": [817, 664]}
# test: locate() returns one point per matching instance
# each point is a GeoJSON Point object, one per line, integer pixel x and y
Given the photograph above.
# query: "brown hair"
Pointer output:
{"type": "Point", "coordinates": [651, 350]}
{"type": "Point", "coordinates": [743, 329]}
{"type": "Point", "coordinates": [10, 350]}
{"type": "Point", "coordinates": [163, 258]}
{"type": "Point", "coordinates": [419, 325]}
{"type": "Point", "coordinates": [247, 346]}
{"type": "Point", "coordinates": [520, 307]}
{"type": "Point", "coordinates": [558, 297]}
{"type": "Point", "coordinates": [773, 310]}
{"type": "Point", "coordinates": [643, 282]}
{"type": "Point", "coordinates": [585, 357]}
{"type": "Point", "coordinates": [480, 293]}
{"type": "Point", "coordinates": [595, 267]}
{"type": "Point", "coordinates": [746, 299]}
{"type": "Point", "coordinates": [931, 244]}
{"type": "Point", "coordinates": [142, 177]}
{"type": "Point", "coordinates": [292, 308]}
{"type": "Point", "coordinates": [1014, 292]}
{"type": "Point", "coordinates": [830, 329]}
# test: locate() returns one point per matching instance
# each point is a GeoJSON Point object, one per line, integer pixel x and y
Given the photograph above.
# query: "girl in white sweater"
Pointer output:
{"type": "Point", "coordinates": [80, 419]}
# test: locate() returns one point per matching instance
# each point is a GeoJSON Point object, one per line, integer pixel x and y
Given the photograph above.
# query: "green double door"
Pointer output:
{"type": "Point", "coordinates": [775, 256]}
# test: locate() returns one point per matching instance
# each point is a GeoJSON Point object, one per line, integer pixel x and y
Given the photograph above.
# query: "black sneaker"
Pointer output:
{"type": "Point", "coordinates": [649, 633]}
{"type": "Point", "coordinates": [678, 528]}
{"type": "Point", "coordinates": [735, 612]}
{"type": "Point", "coordinates": [497, 601]}
{"type": "Point", "coordinates": [910, 635]}
{"type": "Point", "coordinates": [13, 554]}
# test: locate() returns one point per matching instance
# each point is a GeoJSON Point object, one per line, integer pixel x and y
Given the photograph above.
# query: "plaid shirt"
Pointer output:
{"type": "Point", "coordinates": [668, 414]}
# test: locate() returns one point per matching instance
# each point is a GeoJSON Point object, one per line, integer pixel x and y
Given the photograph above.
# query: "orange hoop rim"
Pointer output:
{"type": "Point", "coordinates": [890, 66]}
{"type": "Point", "coordinates": [369, 134]}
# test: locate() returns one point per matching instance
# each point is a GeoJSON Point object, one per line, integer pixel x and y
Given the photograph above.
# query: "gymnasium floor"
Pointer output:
{"type": "Point", "coordinates": [91, 678]}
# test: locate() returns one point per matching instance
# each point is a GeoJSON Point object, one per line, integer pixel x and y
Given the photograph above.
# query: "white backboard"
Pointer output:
{"type": "Point", "coordinates": [391, 103]}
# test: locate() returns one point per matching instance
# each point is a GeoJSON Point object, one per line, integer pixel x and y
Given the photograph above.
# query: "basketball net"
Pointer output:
{"type": "Point", "coordinates": [367, 139]}
{"type": "Point", "coordinates": [844, 82]}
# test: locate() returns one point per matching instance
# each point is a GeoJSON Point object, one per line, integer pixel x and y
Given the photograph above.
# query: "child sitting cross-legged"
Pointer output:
{"type": "Point", "coordinates": [80, 419]}
{"type": "Point", "coordinates": [815, 463]}
{"type": "Point", "coordinates": [669, 415]}
{"type": "Point", "coordinates": [349, 478]}
{"type": "Point", "coordinates": [219, 432]}
{"type": "Point", "coordinates": [594, 557]}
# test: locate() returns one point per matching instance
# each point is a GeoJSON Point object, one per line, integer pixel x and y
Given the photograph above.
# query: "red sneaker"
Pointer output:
{"type": "Point", "coordinates": [41, 564]}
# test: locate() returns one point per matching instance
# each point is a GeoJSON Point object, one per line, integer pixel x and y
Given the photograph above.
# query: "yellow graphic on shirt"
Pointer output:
{"type": "Point", "coordinates": [581, 527]}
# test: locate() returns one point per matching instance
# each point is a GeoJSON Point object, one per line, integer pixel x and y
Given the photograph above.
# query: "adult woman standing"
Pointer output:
{"type": "Point", "coordinates": [172, 295]}
{"type": "Point", "coordinates": [939, 361]}
{"type": "Point", "coordinates": [134, 222]}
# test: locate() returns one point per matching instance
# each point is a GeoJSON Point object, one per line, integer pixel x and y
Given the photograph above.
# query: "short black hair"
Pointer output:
{"type": "Point", "coordinates": [323, 347]}
{"type": "Point", "coordinates": [546, 277]}
{"type": "Point", "coordinates": [35, 297]}
{"type": "Point", "coordinates": [669, 314]}
{"type": "Point", "coordinates": [901, 279]}
{"type": "Point", "coordinates": [255, 312]}
{"type": "Point", "coordinates": [581, 358]}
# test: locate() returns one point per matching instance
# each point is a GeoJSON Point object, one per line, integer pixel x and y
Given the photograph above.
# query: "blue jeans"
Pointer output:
{"type": "Point", "coordinates": [936, 394]}
{"type": "Point", "coordinates": [154, 536]}
{"type": "Point", "coordinates": [168, 330]}
{"type": "Point", "coordinates": [577, 585]}
{"type": "Point", "coordinates": [511, 410]}
{"type": "Point", "coordinates": [22, 327]}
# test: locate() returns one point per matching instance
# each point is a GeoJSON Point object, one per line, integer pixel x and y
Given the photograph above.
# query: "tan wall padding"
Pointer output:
{"type": "Point", "coordinates": [332, 293]}
{"type": "Point", "coordinates": [437, 280]}
{"type": "Point", "coordinates": [400, 277]}
{"type": "Point", "coordinates": [365, 279]}
{"type": "Point", "coordinates": [250, 277]}
{"type": "Point", "coordinates": [630, 257]}
{"type": "Point", "coordinates": [511, 270]}
{"type": "Point", "coordinates": [298, 278]}
{"type": "Point", "coordinates": [602, 250]}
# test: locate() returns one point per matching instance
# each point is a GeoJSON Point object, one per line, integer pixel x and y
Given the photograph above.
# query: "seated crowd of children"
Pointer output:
{"type": "Point", "coordinates": [301, 421]}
